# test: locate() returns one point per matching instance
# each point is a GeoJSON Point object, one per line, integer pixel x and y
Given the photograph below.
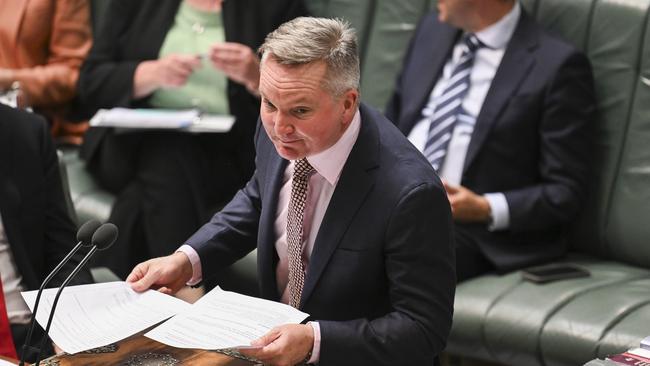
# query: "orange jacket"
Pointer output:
{"type": "Point", "coordinates": [45, 42]}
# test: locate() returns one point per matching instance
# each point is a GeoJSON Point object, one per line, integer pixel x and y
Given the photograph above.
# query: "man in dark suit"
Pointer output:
{"type": "Point", "coordinates": [350, 222]}
{"type": "Point", "coordinates": [36, 230]}
{"type": "Point", "coordinates": [502, 111]}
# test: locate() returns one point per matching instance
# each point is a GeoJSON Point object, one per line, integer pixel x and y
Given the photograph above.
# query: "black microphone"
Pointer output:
{"type": "Point", "coordinates": [84, 238]}
{"type": "Point", "coordinates": [102, 239]}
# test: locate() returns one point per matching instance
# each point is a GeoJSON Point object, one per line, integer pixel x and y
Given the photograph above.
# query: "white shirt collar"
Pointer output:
{"type": "Point", "coordinates": [329, 162]}
{"type": "Point", "coordinates": [497, 35]}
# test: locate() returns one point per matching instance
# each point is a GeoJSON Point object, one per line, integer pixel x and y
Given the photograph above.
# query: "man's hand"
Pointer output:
{"type": "Point", "coordinates": [238, 62]}
{"type": "Point", "coordinates": [166, 274]}
{"type": "Point", "coordinates": [467, 206]}
{"type": "Point", "coordinates": [286, 345]}
{"type": "Point", "coordinates": [170, 71]}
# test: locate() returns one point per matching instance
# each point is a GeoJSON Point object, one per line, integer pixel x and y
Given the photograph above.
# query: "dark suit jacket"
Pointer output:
{"type": "Point", "coordinates": [531, 140]}
{"type": "Point", "coordinates": [381, 276]}
{"type": "Point", "coordinates": [33, 208]}
{"type": "Point", "coordinates": [135, 31]}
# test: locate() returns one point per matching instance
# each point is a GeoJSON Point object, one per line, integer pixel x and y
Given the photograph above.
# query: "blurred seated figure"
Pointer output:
{"type": "Point", "coordinates": [502, 111]}
{"type": "Point", "coordinates": [174, 54]}
{"type": "Point", "coordinates": [42, 46]}
{"type": "Point", "coordinates": [36, 231]}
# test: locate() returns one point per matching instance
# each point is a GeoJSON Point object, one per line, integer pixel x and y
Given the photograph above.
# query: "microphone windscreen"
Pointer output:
{"type": "Point", "coordinates": [86, 231]}
{"type": "Point", "coordinates": [105, 236]}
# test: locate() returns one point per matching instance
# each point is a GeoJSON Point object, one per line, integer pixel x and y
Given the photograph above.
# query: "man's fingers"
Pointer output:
{"type": "Point", "coordinates": [144, 283]}
{"type": "Point", "coordinates": [263, 353]}
{"type": "Point", "coordinates": [137, 272]}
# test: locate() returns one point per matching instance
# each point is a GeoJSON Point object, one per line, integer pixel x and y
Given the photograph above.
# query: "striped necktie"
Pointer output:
{"type": "Point", "coordinates": [448, 110]}
{"type": "Point", "coordinates": [301, 173]}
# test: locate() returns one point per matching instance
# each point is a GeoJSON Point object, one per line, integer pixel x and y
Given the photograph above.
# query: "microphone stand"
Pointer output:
{"type": "Point", "coordinates": [76, 270]}
{"type": "Point", "coordinates": [49, 277]}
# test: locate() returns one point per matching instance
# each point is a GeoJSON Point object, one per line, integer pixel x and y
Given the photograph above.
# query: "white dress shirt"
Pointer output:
{"type": "Point", "coordinates": [486, 62]}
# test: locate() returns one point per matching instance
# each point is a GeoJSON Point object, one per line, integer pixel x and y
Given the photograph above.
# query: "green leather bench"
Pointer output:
{"type": "Point", "coordinates": [504, 319]}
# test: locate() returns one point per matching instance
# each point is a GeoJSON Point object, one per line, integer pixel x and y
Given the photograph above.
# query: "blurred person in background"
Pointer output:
{"type": "Point", "coordinates": [502, 110]}
{"type": "Point", "coordinates": [36, 230]}
{"type": "Point", "coordinates": [174, 54]}
{"type": "Point", "coordinates": [42, 46]}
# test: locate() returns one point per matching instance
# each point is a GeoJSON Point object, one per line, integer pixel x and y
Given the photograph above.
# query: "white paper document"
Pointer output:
{"type": "Point", "coordinates": [223, 319]}
{"type": "Point", "coordinates": [6, 363]}
{"type": "Point", "coordinates": [90, 316]}
{"type": "Point", "coordinates": [190, 120]}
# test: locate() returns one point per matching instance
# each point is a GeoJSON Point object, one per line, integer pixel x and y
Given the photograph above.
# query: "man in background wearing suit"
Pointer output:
{"type": "Point", "coordinates": [502, 111]}
{"type": "Point", "coordinates": [36, 230]}
{"type": "Point", "coordinates": [350, 222]}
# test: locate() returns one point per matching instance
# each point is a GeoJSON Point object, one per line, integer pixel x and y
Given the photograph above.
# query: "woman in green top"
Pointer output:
{"type": "Point", "coordinates": [174, 54]}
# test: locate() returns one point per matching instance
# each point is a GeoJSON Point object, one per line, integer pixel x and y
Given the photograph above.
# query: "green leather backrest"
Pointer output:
{"type": "Point", "coordinates": [612, 33]}
{"type": "Point", "coordinates": [384, 28]}
{"type": "Point", "coordinates": [628, 220]}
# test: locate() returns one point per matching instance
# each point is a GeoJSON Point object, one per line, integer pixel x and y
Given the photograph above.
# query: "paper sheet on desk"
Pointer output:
{"type": "Point", "coordinates": [190, 120]}
{"type": "Point", "coordinates": [6, 363]}
{"type": "Point", "coordinates": [223, 319]}
{"type": "Point", "coordinates": [90, 316]}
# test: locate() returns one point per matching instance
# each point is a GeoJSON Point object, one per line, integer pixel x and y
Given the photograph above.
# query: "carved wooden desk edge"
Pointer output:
{"type": "Point", "coordinates": [142, 351]}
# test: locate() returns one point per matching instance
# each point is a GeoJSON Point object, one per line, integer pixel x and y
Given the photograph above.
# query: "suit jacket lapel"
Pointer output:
{"type": "Point", "coordinates": [511, 72]}
{"type": "Point", "coordinates": [351, 191]}
{"type": "Point", "coordinates": [426, 68]}
{"type": "Point", "coordinates": [267, 256]}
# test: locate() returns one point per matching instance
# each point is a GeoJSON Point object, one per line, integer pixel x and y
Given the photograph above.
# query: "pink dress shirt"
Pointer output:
{"type": "Point", "coordinates": [328, 165]}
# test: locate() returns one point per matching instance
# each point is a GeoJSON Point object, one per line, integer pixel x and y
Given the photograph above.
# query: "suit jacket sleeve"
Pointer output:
{"type": "Point", "coordinates": [55, 82]}
{"type": "Point", "coordinates": [59, 229]}
{"type": "Point", "coordinates": [565, 151]}
{"type": "Point", "coordinates": [420, 269]}
{"type": "Point", "coordinates": [106, 79]}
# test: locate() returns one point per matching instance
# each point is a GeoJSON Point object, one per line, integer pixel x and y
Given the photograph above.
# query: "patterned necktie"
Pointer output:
{"type": "Point", "coordinates": [7, 348]}
{"type": "Point", "coordinates": [301, 173]}
{"type": "Point", "coordinates": [448, 110]}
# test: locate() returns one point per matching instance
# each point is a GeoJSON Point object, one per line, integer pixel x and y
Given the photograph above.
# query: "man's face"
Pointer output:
{"type": "Point", "coordinates": [455, 12]}
{"type": "Point", "coordinates": [300, 116]}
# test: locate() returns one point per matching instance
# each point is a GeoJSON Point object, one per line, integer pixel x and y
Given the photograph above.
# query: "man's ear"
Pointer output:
{"type": "Point", "coordinates": [350, 103]}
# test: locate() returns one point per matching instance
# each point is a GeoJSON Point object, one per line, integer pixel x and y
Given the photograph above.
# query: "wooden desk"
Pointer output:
{"type": "Point", "coordinates": [142, 351]}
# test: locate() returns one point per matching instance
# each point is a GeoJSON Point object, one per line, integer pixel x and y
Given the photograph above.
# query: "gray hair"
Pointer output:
{"type": "Point", "coordinates": [306, 39]}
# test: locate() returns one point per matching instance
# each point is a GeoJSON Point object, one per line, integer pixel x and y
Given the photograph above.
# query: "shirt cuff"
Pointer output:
{"type": "Point", "coordinates": [315, 351]}
{"type": "Point", "coordinates": [196, 264]}
{"type": "Point", "coordinates": [500, 211]}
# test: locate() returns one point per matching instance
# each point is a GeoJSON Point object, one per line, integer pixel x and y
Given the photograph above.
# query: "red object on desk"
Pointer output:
{"type": "Point", "coordinates": [7, 348]}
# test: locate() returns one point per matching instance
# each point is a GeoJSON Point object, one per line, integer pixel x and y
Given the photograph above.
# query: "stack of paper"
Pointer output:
{"type": "Point", "coordinates": [190, 120]}
{"type": "Point", "coordinates": [91, 316]}
{"type": "Point", "coordinates": [144, 118]}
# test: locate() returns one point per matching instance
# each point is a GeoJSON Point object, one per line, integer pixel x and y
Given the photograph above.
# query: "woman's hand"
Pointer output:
{"type": "Point", "coordinates": [170, 71]}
